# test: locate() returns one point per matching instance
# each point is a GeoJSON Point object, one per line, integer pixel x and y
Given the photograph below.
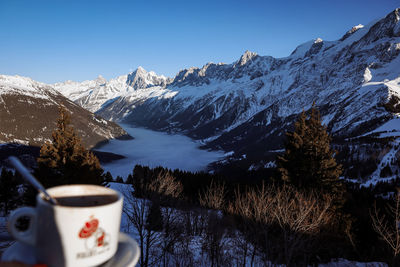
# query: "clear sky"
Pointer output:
{"type": "Point", "coordinates": [55, 40]}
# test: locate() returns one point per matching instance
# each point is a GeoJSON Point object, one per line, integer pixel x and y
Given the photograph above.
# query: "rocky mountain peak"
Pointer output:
{"type": "Point", "coordinates": [356, 28]}
{"type": "Point", "coordinates": [387, 27]}
{"type": "Point", "coordinates": [397, 13]}
{"type": "Point", "coordinates": [100, 80]}
{"type": "Point", "coordinates": [140, 70]}
{"type": "Point", "coordinates": [209, 67]}
{"type": "Point", "coordinates": [140, 79]}
{"type": "Point", "coordinates": [396, 29]}
{"type": "Point", "coordinates": [351, 31]}
{"type": "Point", "coordinates": [318, 40]}
{"type": "Point", "coordinates": [315, 47]}
{"type": "Point", "coordinates": [246, 57]}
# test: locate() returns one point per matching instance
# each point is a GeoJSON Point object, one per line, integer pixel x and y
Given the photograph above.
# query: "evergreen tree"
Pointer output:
{"type": "Point", "coordinates": [142, 176]}
{"type": "Point", "coordinates": [108, 177]}
{"type": "Point", "coordinates": [308, 161]}
{"type": "Point", "coordinates": [129, 180]}
{"type": "Point", "coordinates": [65, 160]}
{"type": "Point", "coordinates": [9, 195]}
{"type": "Point", "coordinates": [119, 179]}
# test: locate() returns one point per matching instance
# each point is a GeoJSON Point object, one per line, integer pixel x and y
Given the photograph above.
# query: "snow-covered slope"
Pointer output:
{"type": "Point", "coordinates": [29, 111]}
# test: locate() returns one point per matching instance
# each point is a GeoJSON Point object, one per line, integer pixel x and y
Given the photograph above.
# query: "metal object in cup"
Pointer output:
{"type": "Point", "coordinates": [66, 236]}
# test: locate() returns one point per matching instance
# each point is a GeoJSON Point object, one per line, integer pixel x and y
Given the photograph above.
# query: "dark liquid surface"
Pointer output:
{"type": "Point", "coordinates": [86, 201]}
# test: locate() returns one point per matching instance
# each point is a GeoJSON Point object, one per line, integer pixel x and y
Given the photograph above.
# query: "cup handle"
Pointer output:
{"type": "Point", "coordinates": [28, 236]}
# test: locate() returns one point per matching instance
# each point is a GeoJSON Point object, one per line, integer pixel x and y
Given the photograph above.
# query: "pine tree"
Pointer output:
{"type": "Point", "coordinates": [308, 161]}
{"type": "Point", "coordinates": [108, 177]}
{"type": "Point", "coordinates": [9, 195]}
{"type": "Point", "coordinates": [65, 160]}
{"type": "Point", "coordinates": [119, 179]}
{"type": "Point", "coordinates": [129, 180]}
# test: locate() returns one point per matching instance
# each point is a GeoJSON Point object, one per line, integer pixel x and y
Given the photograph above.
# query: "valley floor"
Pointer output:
{"type": "Point", "coordinates": [151, 148]}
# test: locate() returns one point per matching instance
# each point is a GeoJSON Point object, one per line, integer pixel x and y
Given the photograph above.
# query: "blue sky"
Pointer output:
{"type": "Point", "coordinates": [55, 40]}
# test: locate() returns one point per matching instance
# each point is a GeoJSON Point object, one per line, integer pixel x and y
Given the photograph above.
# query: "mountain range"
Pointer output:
{"type": "Point", "coordinates": [245, 107]}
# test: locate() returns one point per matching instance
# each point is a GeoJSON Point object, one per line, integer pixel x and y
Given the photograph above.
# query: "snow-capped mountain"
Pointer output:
{"type": "Point", "coordinates": [92, 95]}
{"type": "Point", "coordinates": [347, 78]}
{"type": "Point", "coordinates": [246, 106]}
{"type": "Point", "coordinates": [29, 111]}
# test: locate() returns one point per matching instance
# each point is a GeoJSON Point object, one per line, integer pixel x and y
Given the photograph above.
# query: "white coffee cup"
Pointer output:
{"type": "Point", "coordinates": [82, 230]}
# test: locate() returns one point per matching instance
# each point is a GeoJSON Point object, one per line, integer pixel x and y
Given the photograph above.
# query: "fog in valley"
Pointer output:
{"type": "Point", "coordinates": [151, 148]}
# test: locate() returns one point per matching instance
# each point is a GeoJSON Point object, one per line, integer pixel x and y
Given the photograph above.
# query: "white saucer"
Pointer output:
{"type": "Point", "coordinates": [127, 254]}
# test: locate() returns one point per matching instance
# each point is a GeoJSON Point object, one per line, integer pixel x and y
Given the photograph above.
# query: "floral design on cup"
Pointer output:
{"type": "Point", "coordinates": [89, 228]}
{"type": "Point", "coordinates": [96, 239]}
